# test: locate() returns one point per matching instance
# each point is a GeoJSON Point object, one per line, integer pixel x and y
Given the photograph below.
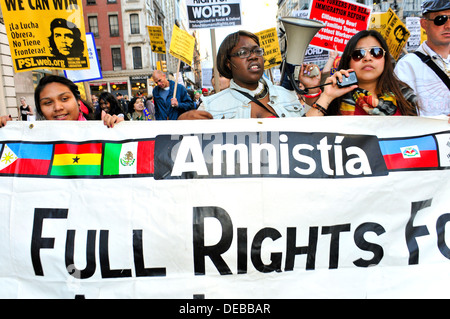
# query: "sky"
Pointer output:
{"type": "Point", "coordinates": [257, 15]}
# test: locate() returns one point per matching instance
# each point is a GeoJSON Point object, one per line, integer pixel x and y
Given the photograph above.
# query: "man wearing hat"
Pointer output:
{"type": "Point", "coordinates": [427, 70]}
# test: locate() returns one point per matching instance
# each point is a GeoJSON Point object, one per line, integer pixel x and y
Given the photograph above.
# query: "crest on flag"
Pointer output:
{"type": "Point", "coordinates": [128, 159]}
{"type": "Point", "coordinates": [410, 151]}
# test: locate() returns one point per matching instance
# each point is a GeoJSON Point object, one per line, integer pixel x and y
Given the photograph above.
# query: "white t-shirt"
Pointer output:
{"type": "Point", "coordinates": [433, 95]}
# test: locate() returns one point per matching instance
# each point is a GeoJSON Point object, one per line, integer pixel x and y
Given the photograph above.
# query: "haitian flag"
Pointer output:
{"type": "Point", "coordinates": [25, 159]}
{"type": "Point", "coordinates": [77, 160]}
{"type": "Point", "coordinates": [410, 153]}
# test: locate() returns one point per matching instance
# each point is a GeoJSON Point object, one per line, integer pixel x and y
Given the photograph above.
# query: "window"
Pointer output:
{"type": "Point", "coordinates": [116, 59]}
{"type": "Point", "coordinates": [134, 23]}
{"type": "Point", "coordinates": [99, 57]}
{"type": "Point", "coordinates": [114, 25]}
{"type": "Point", "coordinates": [137, 58]}
{"type": "Point", "coordinates": [90, 2]}
{"type": "Point", "coordinates": [93, 26]}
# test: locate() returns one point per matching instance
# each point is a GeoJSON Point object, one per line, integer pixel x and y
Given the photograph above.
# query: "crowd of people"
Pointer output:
{"type": "Point", "coordinates": [409, 87]}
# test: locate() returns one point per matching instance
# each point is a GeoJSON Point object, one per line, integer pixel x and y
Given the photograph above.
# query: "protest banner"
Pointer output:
{"type": "Point", "coordinates": [213, 14]}
{"type": "Point", "coordinates": [57, 41]}
{"type": "Point", "coordinates": [343, 20]}
{"type": "Point", "coordinates": [94, 72]}
{"type": "Point", "coordinates": [263, 208]}
{"type": "Point", "coordinates": [157, 42]}
{"type": "Point", "coordinates": [271, 45]}
{"type": "Point", "coordinates": [393, 31]}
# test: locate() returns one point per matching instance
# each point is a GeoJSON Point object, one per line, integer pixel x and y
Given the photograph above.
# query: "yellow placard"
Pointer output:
{"type": "Point", "coordinates": [394, 31]}
{"type": "Point", "coordinates": [423, 35]}
{"type": "Point", "coordinates": [46, 34]}
{"type": "Point", "coordinates": [269, 42]}
{"type": "Point", "coordinates": [157, 43]}
{"type": "Point", "coordinates": [182, 45]}
{"type": "Point", "coordinates": [378, 21]}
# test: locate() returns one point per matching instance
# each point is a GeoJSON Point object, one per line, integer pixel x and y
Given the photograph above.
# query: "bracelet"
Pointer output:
{"type": "Point", "coordinates": [319, 108]}
{"type": "Point", "coordinates": [310, 96]}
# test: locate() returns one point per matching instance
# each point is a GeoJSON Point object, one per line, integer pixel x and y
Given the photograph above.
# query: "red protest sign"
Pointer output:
{"type": "Point", "coordinates": [343, 20]}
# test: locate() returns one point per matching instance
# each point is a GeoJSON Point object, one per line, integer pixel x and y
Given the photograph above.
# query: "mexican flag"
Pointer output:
{"type": "Point", "coordinates": [132, 158]}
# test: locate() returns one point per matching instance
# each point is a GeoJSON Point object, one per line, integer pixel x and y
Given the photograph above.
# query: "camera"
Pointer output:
{"type": "Point", "coordinates": [348, 81]}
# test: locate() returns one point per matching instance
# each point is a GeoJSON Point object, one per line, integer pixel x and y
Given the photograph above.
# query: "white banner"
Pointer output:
{"type": "Point", "coordinates": [335, 207]}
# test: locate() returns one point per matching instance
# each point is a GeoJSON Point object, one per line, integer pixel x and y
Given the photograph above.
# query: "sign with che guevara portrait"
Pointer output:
{"type": "Point", "coordinates": [57, 41]}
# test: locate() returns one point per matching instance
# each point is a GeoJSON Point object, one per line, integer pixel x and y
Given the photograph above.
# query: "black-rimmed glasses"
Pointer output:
{"type": "Point", "coordinates": [245, 53]}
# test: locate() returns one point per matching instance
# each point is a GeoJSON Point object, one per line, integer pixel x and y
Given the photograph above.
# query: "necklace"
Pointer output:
{"type": "Point", "coordinates": [262, 91]}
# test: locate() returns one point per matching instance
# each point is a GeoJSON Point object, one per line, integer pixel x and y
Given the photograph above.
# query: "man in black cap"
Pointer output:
{"type": "Point", "coordinates": [427, 70]}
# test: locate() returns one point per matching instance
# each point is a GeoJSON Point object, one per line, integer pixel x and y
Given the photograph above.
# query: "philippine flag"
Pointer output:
{"type": "Point", "coordinates": [25, 159]}
{"type": "Point", "coordinates": [410, 153]}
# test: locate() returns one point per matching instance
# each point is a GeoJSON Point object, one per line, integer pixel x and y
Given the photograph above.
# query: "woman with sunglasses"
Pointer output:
{"type": "Point", "coordinates": [432, 92]}
{"type": "Point", "coordinates": [378, 91]}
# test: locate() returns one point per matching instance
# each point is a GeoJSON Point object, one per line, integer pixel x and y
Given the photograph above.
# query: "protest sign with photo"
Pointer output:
{"type": "Point", "coordinates": [393, 30]}
{"type": "Point", "coordinates": [343, 20]}
{"type": "Point", "coordinates": [94, 72]}
{"type": "Point", "coordinates": [46, 34]}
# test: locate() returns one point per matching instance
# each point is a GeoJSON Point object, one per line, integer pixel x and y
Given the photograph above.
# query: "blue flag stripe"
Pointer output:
{"type": "Point", "coordinates": [32, 151]}
{"type": "Point", "coordinates": [389, 147]}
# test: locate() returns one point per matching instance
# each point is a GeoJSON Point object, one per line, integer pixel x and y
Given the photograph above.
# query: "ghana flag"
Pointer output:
{"type": "Point", "coordinates": [77, 160]}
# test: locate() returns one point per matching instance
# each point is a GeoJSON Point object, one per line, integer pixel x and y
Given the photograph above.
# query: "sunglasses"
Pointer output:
{"type": "Point", "coordinates": [376, 53]}
{"type": "Point", "coordinates": [439, 20]}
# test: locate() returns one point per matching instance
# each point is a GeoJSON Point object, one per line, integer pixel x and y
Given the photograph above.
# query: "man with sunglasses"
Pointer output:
{"type": "Point", "coordinates": [430, 88]}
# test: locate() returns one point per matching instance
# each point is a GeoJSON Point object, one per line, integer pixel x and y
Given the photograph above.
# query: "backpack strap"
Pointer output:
{"type": "Point", "coordinates": [428, 61]}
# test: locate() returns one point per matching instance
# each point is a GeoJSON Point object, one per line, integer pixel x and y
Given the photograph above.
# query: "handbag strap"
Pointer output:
{"type": "Point", "coordinates": [428, 61]}
{"type": "Point", "coordinates": [257, 102]}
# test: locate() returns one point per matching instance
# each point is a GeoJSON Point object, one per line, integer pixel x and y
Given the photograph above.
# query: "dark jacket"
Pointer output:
{"type": "Point", "coordinates": [164, 109]}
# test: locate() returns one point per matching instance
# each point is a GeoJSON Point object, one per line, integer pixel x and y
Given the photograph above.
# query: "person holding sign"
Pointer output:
{"type": "Point", "coordinates": [427, 70]}
{"type": "Point", "coordinates": [378, 91]}
{"type": "Point", "coordinates": [250, 95]}
{"type": "Point", "coordinates": [168, 107]}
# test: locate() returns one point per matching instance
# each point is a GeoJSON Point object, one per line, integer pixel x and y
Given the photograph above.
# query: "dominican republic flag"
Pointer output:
{"type": "Point", "coordinates": [132, 158]}
{"type": "Point", "coordinates": [25, 159]}
{"type": "Point", "coordinates": [410, 153]}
